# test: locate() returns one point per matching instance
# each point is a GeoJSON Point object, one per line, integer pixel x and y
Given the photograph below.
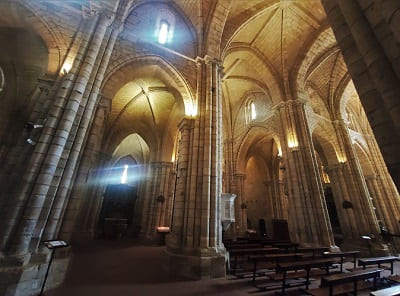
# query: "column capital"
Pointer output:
{"type": "Point", "coordinates": [186, 123]}
{"type": "Point", "coordinates": [334, 167]}
{"type": "Point", "coordinates": [288, 103]}
{"type": "Point", "coordinates": [239, 175]}
{"type": "Point", "coordinates": [161, 164]}
{"type": "Point", "coordinates": [104, 102]}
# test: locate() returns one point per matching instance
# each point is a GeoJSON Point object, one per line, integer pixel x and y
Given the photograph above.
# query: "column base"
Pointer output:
{"type": "Point", "coordinates": [368, 248]}
{"type": "Point", "coordinates": [26, 279]}
{"type": "Point", "coordinates": [203, 266]}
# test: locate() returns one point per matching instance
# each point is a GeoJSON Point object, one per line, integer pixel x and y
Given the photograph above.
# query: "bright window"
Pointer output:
{"type": "Point", "coordinates": [163, 32]}
{"type": "Point", "coordinates": [250, 111]}
{"type": "Point", "coordinates": [253, 111]}
{"type": "Point", "coordinates": [124, 176]}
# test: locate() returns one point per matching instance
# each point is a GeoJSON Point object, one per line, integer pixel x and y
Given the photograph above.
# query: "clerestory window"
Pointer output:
{"type": "Point", "coordinates": [251, 113]}
{"type": "Point", "coordinates": [163, 33]}
{"type": "Point", "coordinates": [124, 176]}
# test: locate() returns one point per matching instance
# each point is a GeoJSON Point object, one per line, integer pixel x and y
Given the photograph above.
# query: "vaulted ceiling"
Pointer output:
{"type": "Point", "coordinates": [281, 48]}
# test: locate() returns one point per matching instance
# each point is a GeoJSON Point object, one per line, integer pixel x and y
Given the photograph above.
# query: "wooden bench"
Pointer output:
{"type": "Point", "coordinates": [392, 291]}
{"type": "Point", "coordinates": [378, 261]}
{"type": "Point", "coordinates": [339, 280]}
{"type": "Point", "coordinates": [344, 289]}
{"type": "Point", "coordinates": [285, 246]}
{"type": "Point", "coordinates": [274, 258]}
{"type": "Point", "coordinates": [302, 265]}
{"type": "Point", "coordinates": [394, 278]}
{"type": "Point", "coordinates": [343, 255]}
{"type": "Point", "coordinates": [243, 246]}
{"type": "Point", "coordinates": [237, 253]}
{"type": "Point", "coordinates": [313, 250]}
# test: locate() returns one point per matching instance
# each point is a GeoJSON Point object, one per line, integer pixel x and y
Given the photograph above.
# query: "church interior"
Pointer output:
{"type": "Point", "coordinates": [207, 130]}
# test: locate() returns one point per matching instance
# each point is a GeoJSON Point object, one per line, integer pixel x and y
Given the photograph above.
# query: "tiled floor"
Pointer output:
{"type": "Point", "coordinates": [123, 268]}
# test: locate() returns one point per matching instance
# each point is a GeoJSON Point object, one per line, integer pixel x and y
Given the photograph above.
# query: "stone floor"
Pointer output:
{"type": "Point", "coordinates": [124, 268]}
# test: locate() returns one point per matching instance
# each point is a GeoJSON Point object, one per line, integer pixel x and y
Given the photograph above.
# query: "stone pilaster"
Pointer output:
{"type": "Point", "coordinates": [308, 216]}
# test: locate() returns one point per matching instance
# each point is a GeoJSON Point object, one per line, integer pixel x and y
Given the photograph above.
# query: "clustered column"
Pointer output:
{"type": "Point", "coordinates": [50, 172]}
{"type": "Point", "coordinates": [358, 216]}
{"type": "Point", "coordinates": [156, 197]}
{"type": "Point", "coordinates": [240, 205]}
{"type": "Point", "coordinates": [196, 228]}
{"type": "Point", "coordinates": [77, 222]}
{"type": "Point", "coordinates": [308, 216]}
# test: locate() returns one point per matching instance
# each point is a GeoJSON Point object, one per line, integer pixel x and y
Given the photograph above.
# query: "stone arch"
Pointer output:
{"type": "Point", "coordinates": [33, 21]}
{"type": "Point", "coordinates": [138, 149]}
{"type": "Point", "coordinates": [217, 18]}
{"type": "Point", "coordinates": [252, 136]}
{"type": "Point", "coordinates": [271, 74]}
{"type": "Point", "coordinates": [122, 73]}
{"type": "Point", "coordinates": [153, 80]}
{"type": "Point", "coordinates": [315, 52]}
{"type": "Point", "coordinates": [264, 110]}
{"type": "Point", "coordinates": [347, 93]}
{"type": "Point", "coordinates": [133, 6]}
{"type": "Point", "coordinates": [232, 27]}
{"type": "Point", "coordinates": [325, 146]}
{"type": "Point", "coordinates": [364, 160]}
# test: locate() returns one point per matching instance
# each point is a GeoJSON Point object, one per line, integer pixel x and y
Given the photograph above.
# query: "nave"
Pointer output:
{"type": "Point", "coordinates": [124, 267]}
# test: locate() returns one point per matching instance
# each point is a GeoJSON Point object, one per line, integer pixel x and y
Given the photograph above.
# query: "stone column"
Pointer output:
{"type": "Point", "coordinates": [170, 198]}
{"type": "Point", "coordinates": [371, 51]}
{"type": "Point", "coordinates": [278, 193]}
{"type": "Point", "coordinates": [346, 215]}
{"type": "Point", "coordinates": [156, 199]}
{"type": "Point", "coordinates": [382, 188]}
{"type": "Point", "coordinates": [195, 244]}
{"type": "Point", "coordinates": [240, 225]}
{"type": "Point", "coordinates": [350, 176]}
{"type": "Point", "coordinates": [176, 237]}
{"type": "Point", "coordinates": [13, 162]}
{"type": "Point", "coordinates": [42, 184]}
{"type": "Point", "coordinates": [78, 213]}
{"type": "Point", "coordinates": [308, 215]}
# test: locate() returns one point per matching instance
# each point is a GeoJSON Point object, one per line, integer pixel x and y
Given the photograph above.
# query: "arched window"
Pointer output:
{"type": "Point", "coordinates": [163, 32]}
{"type": "Point", "coordinates": [2, 80]}
{"type": "Point", "coordinates": [165, 26]}
{"type": "Point", "coordinates": [251, 113]}
{"type": "Point", "coordinates": [124, 176]}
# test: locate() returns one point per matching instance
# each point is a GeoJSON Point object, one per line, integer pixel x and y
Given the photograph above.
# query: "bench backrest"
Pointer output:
{"type": "Point", "coordinates": [348, 277]}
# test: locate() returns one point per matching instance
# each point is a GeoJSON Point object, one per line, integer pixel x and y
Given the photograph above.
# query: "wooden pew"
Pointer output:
{"type": "Point", "coordinates": [343, 255]}
{"type": "Point", "coordinates": [313, 250]}
{"type": "Point", "coordinates": [302, 265]}
{"type": "Point", "coordinates": [273, 258]}
{"type": "Point", "coordinates": [286, 245]}
{"type": "Point", "coordinates": [339, 281]}
{"type": "Point", "coordinates": [378, 261]}
{"type": "Point", "coordinates": [237, 253]}
{"type": "Point", "coordinates": [392, 291]}
{"type": "Point", "coordinates": [243, 246]}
